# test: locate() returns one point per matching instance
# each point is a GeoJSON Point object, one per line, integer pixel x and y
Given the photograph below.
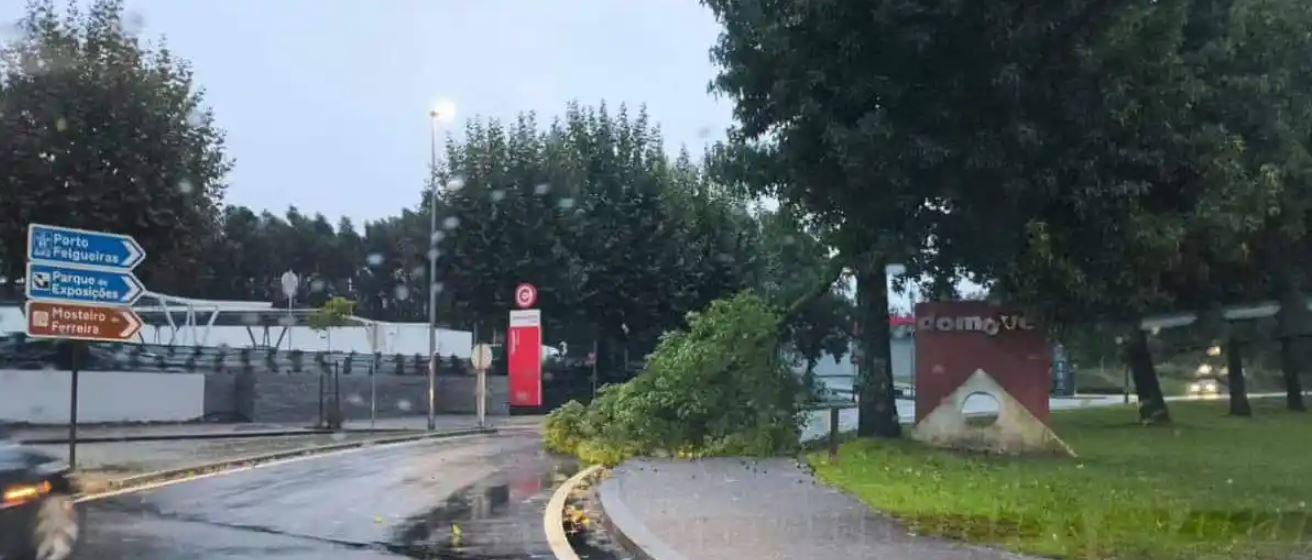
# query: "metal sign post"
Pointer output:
{"type": "Point", "coordinates": [289, 282]}
{"type": "Point", "coordinates": [80, 287]}
{"type": "Point", "coordinates": [481, 358]}
{"type": "Point", "coordinates": [72, 407]}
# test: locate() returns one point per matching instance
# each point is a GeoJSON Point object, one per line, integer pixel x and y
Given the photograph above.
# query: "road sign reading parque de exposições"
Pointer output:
{"type": "Point", "coordinates": [73, 246]}
{"type": "Point", "coordinates": [83, 285]}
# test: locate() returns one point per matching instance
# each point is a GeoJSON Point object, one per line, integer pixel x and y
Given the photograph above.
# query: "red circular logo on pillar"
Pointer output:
{"type": "Point", "coordinates": [525, 295]}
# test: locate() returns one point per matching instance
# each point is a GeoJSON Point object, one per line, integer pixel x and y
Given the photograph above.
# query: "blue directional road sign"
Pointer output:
{"type": "Point", "coordinates": [80, 247]}
{"type": "Point", "coordinates": [82, 285]}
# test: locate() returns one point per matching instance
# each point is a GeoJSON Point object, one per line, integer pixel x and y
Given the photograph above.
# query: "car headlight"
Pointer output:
{"type": "Point", "coordinates": [20, 494]}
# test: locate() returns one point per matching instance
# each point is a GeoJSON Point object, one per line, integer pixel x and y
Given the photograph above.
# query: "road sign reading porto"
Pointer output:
{"type": "Point", "coordinates": [82, 285]}
{"type": "Point", "coordinates": [47, 319]}
{"type": "Point", "coordinates": [525, 295]}
{"type": "Point", "coordinates": [80, 247]}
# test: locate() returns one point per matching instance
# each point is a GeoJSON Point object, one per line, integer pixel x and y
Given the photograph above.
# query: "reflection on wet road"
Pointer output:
{"type": "Point", "coordinates": [470, 498]}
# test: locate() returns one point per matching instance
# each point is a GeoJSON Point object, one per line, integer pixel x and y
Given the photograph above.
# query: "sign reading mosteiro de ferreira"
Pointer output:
{"type": "Point", "coordinates": [47, 319]}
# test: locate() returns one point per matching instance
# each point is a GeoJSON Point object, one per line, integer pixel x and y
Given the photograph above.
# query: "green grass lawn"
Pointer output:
{"type": "Point", "coordinates": [1208, 486]}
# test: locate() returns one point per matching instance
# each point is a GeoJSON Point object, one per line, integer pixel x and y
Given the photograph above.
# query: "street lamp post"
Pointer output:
{"type": "Point", "coordinates": [444, 110]}
{"type": "Point", "coordinates": [432, 271]}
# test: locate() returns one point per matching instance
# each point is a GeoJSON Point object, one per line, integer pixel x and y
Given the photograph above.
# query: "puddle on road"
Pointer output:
{"type": "Point", "coordinates": [498, 517]}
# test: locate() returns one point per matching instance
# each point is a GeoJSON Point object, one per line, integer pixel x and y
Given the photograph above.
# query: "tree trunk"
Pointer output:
{"type": "Point", "coordinates": [1289, 365]}
{"type": "Point", "coordinates": [877, 412]}
{"type": "Point", "coordinates": [1152, 405]}
{"type": "Point", "coordinates": [1292, 318]}
{"type": "Point", "coordinates": [1238, 392]}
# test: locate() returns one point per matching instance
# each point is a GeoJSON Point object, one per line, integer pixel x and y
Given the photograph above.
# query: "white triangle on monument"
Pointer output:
{"type": "Point", "coordinates": [1016, 429]}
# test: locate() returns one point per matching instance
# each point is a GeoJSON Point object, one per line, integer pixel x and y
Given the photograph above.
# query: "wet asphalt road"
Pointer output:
{"type": "Point", "coordinates": [467, 498]}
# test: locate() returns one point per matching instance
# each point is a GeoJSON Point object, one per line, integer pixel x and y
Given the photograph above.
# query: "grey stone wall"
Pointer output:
{"type": "Point", "coordinates": [294, 398]}
{"type": "Point", "coordinates": [220, 395]}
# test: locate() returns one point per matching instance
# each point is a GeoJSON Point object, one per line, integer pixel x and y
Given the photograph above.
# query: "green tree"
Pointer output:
{"type": "Point", "coordinates": [336, 312]}
{"type": "Point", "coordinates": [620, 242]}
{"type": "Point", "coordinates": [97, 131]}
{"type": "Point", "coordinates": [1081, 157]}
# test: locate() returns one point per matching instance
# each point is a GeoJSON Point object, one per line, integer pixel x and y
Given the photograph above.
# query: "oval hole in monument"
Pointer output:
{"type": "Point", "coordinates": [980, 409]}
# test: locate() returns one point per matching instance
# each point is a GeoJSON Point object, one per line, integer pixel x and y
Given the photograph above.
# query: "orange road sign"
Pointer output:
{"type": "Point", "coordinates": [81, 322]}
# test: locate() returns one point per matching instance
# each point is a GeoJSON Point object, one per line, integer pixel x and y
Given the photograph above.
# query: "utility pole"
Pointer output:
{"type": "Point", "coordinates": [432, 271]}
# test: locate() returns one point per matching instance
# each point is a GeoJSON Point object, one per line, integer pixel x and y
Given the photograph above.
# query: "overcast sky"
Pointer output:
{"type": "Point", "coordinates": [325, 101]}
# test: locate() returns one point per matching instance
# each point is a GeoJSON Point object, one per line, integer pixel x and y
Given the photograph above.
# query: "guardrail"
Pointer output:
{"type": "Point", "coordinates": [19, 352]}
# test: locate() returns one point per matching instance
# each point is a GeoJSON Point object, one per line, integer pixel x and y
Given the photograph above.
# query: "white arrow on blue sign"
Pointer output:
{"type": "Point", "coordinates": [82, 285]}
{"type": "Point", "coordinates": [80, 247]}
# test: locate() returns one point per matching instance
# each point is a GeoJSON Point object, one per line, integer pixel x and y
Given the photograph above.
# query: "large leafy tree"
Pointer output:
{"type": "Point", "coordinates": [1074, 156]}
{"type": "Point", "coordinates": [620, 242]}
{"type": "Point", "coordinates": [101, 132]}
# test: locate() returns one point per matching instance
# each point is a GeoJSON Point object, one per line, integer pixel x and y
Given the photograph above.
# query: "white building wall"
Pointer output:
{"type": "Point", "coordinates": [42, 396]}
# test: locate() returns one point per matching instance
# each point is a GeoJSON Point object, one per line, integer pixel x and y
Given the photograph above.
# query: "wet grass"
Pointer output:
{"type": "Point", "coordinates": [1208, 486]}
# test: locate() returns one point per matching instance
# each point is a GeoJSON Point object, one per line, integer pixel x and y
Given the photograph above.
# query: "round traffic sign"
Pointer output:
{"type": "Point", "coordinates": [481, 357]}
{"type": "Point", "coordinates": [525, 295]}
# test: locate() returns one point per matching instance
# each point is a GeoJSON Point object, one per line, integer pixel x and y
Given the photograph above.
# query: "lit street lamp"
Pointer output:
{"type": "Point", "coordinates": [443, 111]}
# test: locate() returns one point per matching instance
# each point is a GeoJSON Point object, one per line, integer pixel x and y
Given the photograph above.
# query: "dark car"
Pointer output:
{"type": "Point", "coordinates": [38, 519]}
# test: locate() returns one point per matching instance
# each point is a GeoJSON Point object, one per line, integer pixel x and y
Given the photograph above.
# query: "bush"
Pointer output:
{"type": "Point", "coordinates": [719, 388]}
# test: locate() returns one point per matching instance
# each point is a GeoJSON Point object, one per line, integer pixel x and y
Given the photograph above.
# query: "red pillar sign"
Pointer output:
{"type": "Point", "coordinates": [524, 348]}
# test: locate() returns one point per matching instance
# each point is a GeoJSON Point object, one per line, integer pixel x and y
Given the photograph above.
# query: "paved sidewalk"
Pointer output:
{"type": "Point", "coordinates": [759, 510]}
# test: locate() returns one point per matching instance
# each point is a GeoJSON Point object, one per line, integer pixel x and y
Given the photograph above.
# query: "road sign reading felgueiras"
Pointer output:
{"type": "Point", "coordinates": [970, 348]}
{"type": "Point", "coordinates": [71, 246]}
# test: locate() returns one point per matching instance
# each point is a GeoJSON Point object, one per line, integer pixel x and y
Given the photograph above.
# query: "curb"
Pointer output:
{"type": "Point", "coordinates": [553, 521]}
{"type": "Point", "coordinates": [628, 529]}
{"type": "Point", "coordinates": [168, 475]}
{"type": "Point", "coordinates": [171, 437]}
{"type": "Point", "coordinates": [227, 435]}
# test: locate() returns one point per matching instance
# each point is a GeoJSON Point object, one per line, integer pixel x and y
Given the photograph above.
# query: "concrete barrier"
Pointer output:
{"type": "Point", "coordinates": [42, 396]}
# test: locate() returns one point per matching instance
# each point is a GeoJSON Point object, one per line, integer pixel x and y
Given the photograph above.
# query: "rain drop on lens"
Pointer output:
{"type": "Point", "coordinates": [317, 285]}
{"type": "Point", "coordinates": [451, 222]}
{"type": "Point", "coordinates": [61, 124]}
{"type": "Point", "coordinates": [565, 203]}
{"type": "Point", "coordinates": [541, 189]}
{"type": "Point", "coordinates": [134, 23]}
{"type": "Point", "coordinates": [456, 183]}
{"type": "Point", "coordinates": [434, 253]}
{"type": "Point", "coordinates": [374, 259]}
{"type": "Point", "coordinates": [403, 405]}
{"type": "Point", "coordinates": [402, 293]}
